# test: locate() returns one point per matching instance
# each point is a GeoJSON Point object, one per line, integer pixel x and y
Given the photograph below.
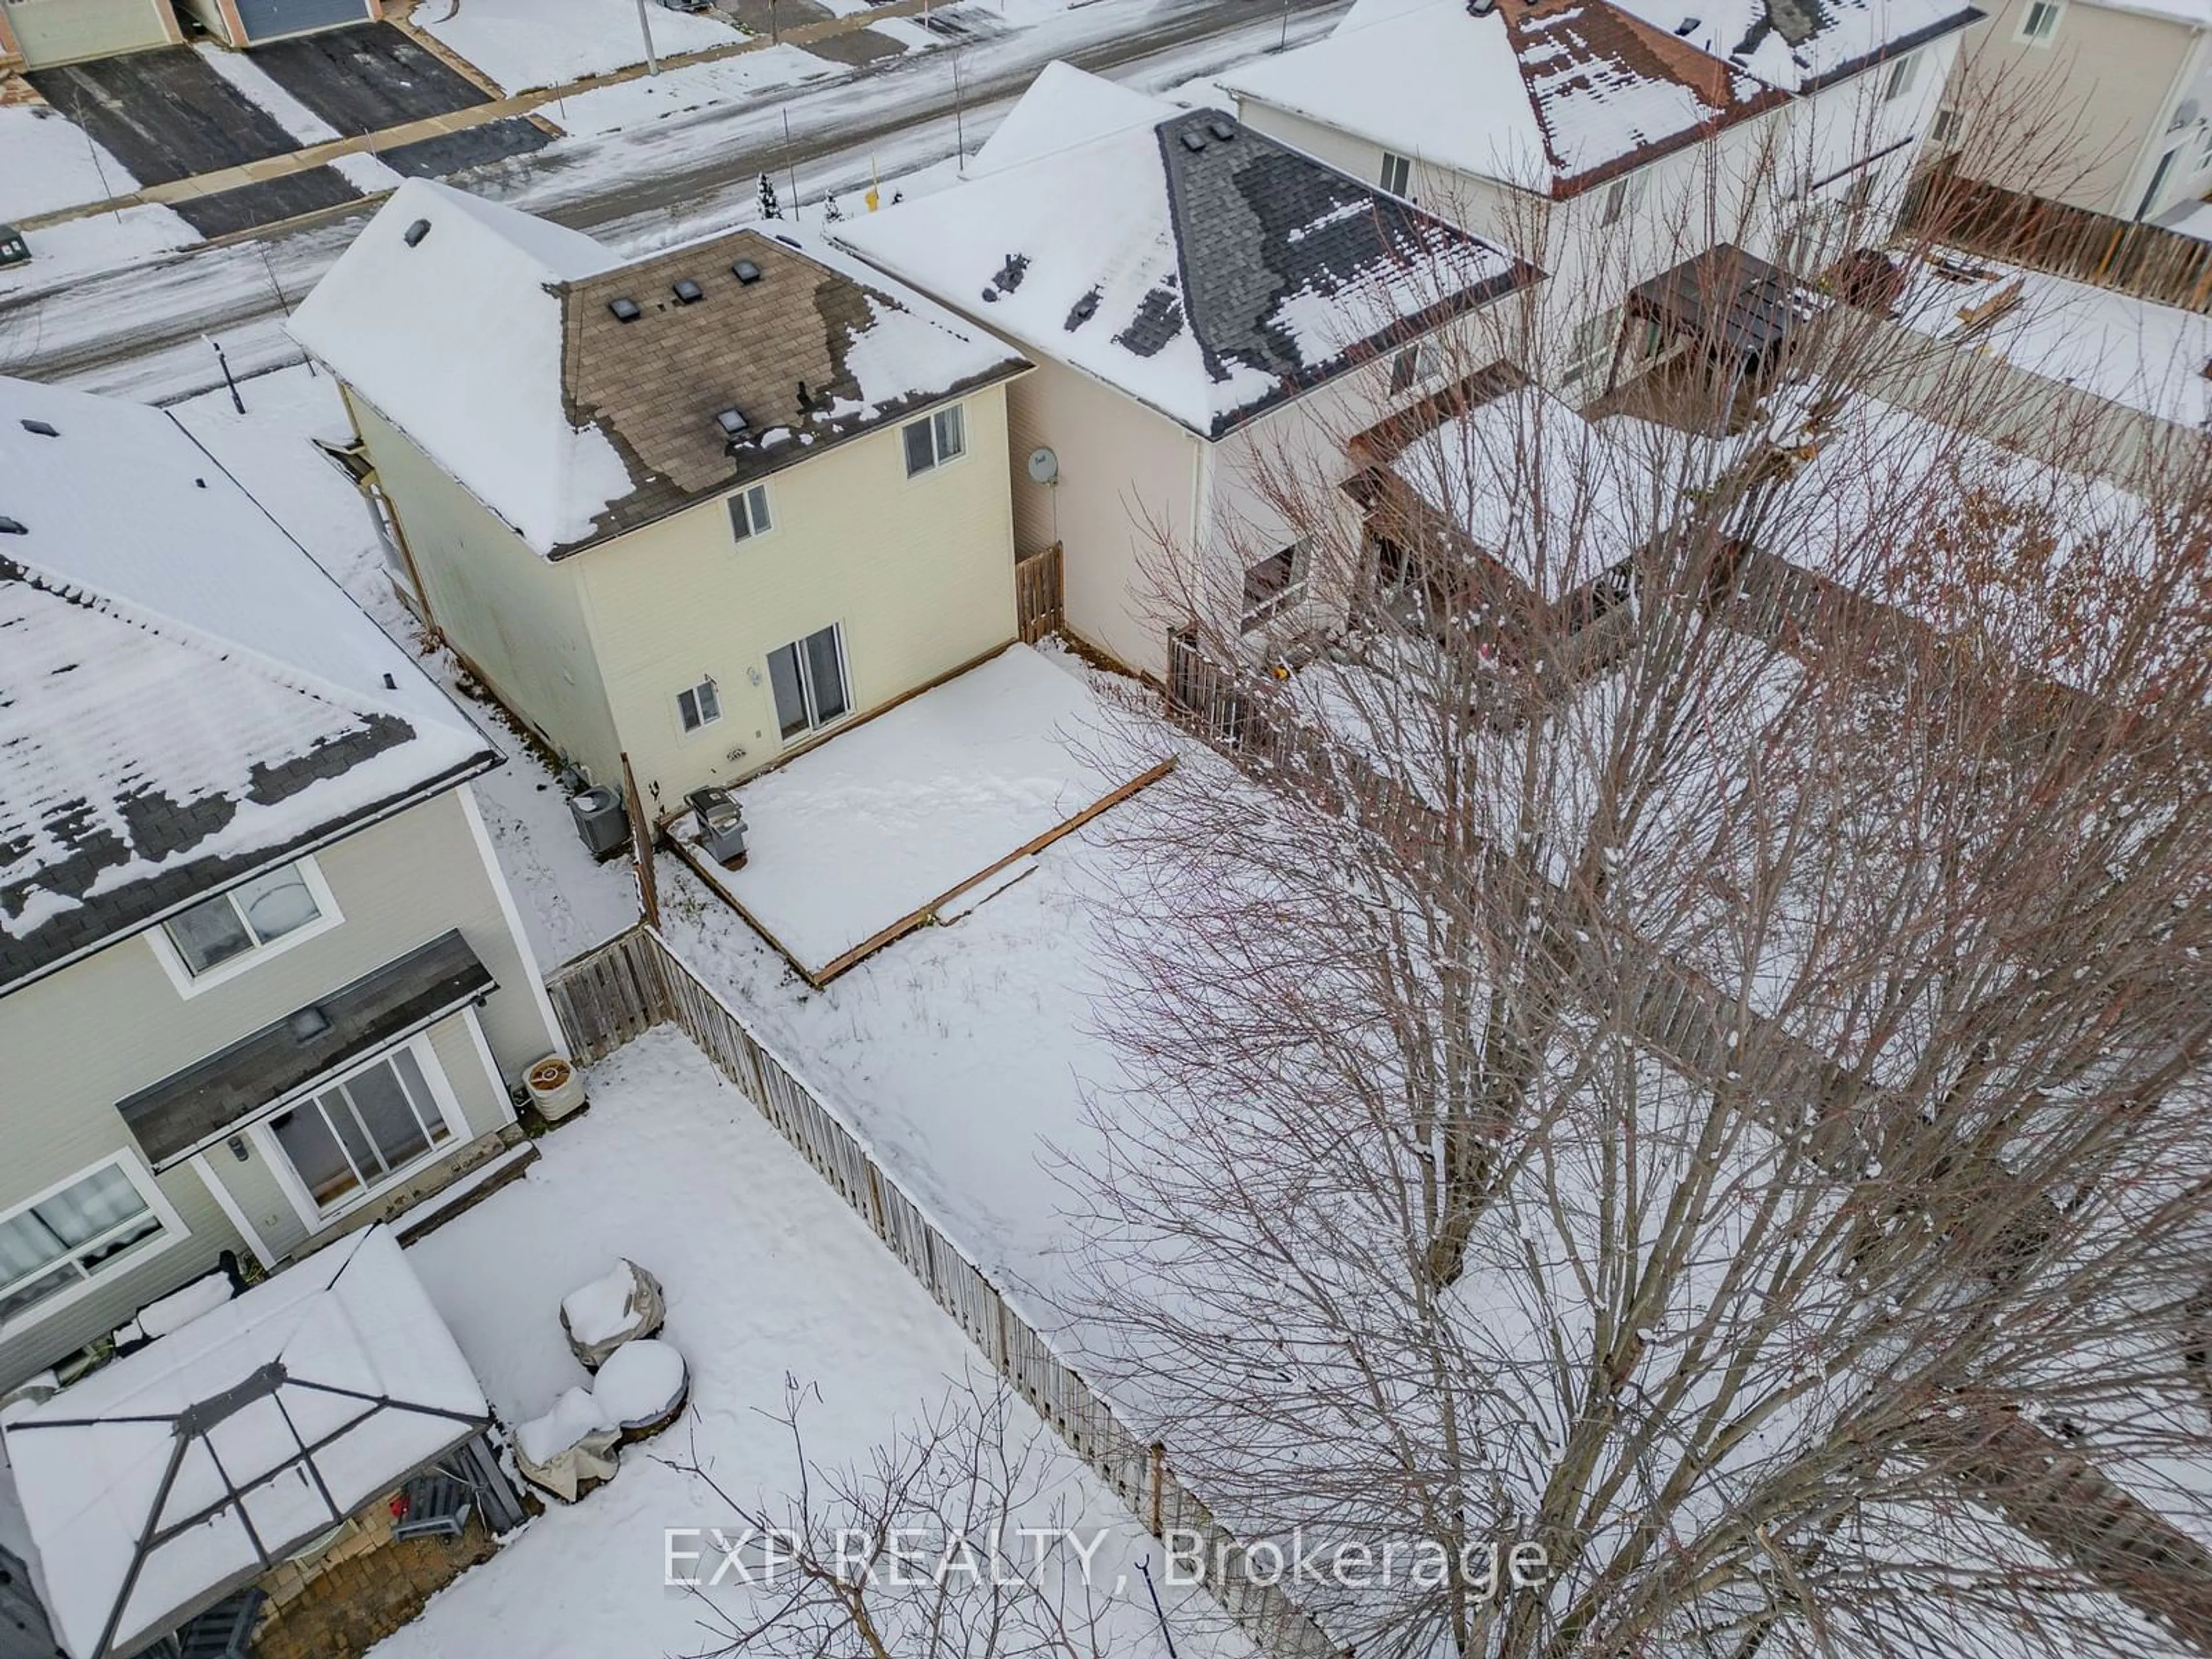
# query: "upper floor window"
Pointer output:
{"type": "Point", "coordinates": [934, 440]}
{"type": "Point", "coordinates": [1622, 194]}
{"type": "Point", "coordinates": [2039, 27]}
{"type": "Point", "coordinates": [1902, 74]}
{"type": "Point", "coordinates": [749, 513]}
{"type": "Point", "coordinates": [1397, 174]}
{"type": "Point", "coordinates": [223, 935]}
{"type": "Point", "coordinates": [53, 1244]}
{"type": "Point", "coordinates": [1416, 365]}
{"type": "Point", "coordinates": [698, 705]}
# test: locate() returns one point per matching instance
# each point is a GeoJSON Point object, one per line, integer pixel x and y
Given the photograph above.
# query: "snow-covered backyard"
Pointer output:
{"type": "Point", "coordinates": [2130, 351]}
{"type": "Point", "coordinates": [770, 1280]}
{"type": "Point", "coordinates": [525, 44]}
{"type": "Point", "coordinates": [920, 804]}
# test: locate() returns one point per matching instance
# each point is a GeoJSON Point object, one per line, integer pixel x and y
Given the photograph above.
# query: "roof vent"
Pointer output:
{"type": "Point", "coordinates": [1222, 128]}
{"type": "Point", "coordinates": [1194, 140]}
{"type": "Point", "coordinates": [734, 427]}
{"type": "Point", "coordinates": [1085, 309]}
{"type": "Point", "coordinates": [788, 243]}
{"type": "Point", "coordinates": [415, 231]}
{"type": "Point", "coordinates": [12, 526]}
{"type": "Point", "coordinates": [43, 429]}
{"type": "Point", "coordinates": [625, 310]}
{"type": "Point", "coordinates": [688, 292]}
{"type": "Point", "coordinates": [805, 397]}
{"type": "Point", "coordinates": [1688, 26]}
{"type": "Point", "coordinates": [746, 272]}
{"type": "Point", "coordinates": [1011, 273]}
{"type": "Point", "coordinates": [1480, 7]}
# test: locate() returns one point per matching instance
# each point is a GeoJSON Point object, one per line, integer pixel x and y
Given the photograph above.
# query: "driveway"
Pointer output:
{"type": "Point", "coordinates": [366, 77]}
{"type": "Point", "coordinates": [164, 114]}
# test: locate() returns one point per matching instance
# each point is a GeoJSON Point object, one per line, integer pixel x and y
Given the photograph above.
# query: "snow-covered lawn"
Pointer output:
{"type": "Point", "coordinates": [53, 163]}
{"type": "Point", "coordinates": [673, 92]}
{"type": "Point", "coordinates": [858, 835]}
{"type": "Point", "coordinates": [2146, 356]}
{"type": "Point", "coordinates": [522, 44]}
{"type": "Point", "coordinates": [568, 903]}
{"type": "Point", "coordinates": [76, 248]}
{"type": "Point", "coordinates": [768, 1277]}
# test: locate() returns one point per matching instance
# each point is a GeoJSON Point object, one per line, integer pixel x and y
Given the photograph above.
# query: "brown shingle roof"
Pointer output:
{"type": "Point", "coordinates": [655, 385]}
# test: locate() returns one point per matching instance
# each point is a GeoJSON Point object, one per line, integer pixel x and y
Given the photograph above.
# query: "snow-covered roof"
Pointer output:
{"type": "Point", "coordinates": [1552, 495]}
{"type": "Point", "coordinates": [1063, 107]}
{"type": "Point", "coordinates": [489, 339]}
{"type": "Point", "coordinates": [1803, 44]}
{"type": "Point", "coordinates": [1549, 97]}
{"type": "Point", "coordinates": [165, 1481]}
{"type": "Point", "coordinates": [185, 698]}
{"type": "Point", "coordinates": [1196, 265]}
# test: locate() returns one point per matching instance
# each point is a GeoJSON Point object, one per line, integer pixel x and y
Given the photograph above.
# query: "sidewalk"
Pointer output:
{"type": "Point", "coordinates": [526, 105]}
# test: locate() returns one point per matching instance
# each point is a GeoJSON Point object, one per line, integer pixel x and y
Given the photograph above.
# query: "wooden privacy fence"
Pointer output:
{"type": "Point", "coordinates": [2148, 261]}
{"type": "Point", "coordinates": [617, 993]}
{"type": "Point", "coordinates": [1040, 594]}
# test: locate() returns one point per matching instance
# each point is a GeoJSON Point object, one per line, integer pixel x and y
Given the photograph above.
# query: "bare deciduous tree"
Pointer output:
{"type": "Point", "coordinates": [1671, 1025]}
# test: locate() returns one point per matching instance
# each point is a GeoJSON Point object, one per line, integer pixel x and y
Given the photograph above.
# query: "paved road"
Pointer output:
{"type": "Point", "coordinates": [145, 331]}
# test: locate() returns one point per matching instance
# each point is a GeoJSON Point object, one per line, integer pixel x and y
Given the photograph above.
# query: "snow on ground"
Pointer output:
{"type": "Point", "coordinates": [568, 903]}
{"type": "Point", "coordinates": [256, 85]}
{"type": "Point", "coordinates": [76, 248]}
{"type": "Point", "coordinates": [626, 104]}
{"type": "Point", "coordinates": [53, 163]}
{"type": "Point", "coordinates": [768, 1276]}
{"type": "Point", "coordinates": [2146, 356]}
{"type": "Point", "coordinates": [522, 44]}
{"type": "Point", "coordinates": [856, 836]}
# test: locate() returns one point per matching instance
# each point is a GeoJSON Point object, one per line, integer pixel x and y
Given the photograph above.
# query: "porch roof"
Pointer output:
{"type": "Point", "coordinates": [168, 1479]}
{"type": "Point", "coordinates": [1730, 298]}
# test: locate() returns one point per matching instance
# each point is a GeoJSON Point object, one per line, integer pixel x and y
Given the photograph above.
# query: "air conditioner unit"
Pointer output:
{"type": "Point", "coordinates": [601, 820]}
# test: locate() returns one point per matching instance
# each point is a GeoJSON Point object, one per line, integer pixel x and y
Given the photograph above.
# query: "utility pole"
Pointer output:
{"type": "Point", "coordinates": [645, 28]}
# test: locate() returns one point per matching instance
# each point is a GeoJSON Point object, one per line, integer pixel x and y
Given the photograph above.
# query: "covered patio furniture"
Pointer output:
{"type": "Point", "coordinates": [642, 1388]}
{"type": "Point", "coordinates": [569, 1450]}
{"type": "Point", "coordinates": [619, 1307]}
{"type": "Point", "coordinates": [168, 1481]}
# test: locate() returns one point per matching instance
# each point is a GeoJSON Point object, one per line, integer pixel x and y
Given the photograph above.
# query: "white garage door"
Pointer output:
{"type": "Point", "coordinates": [272, 19]}
{"type": "Point", "coordinates": [68, 31]}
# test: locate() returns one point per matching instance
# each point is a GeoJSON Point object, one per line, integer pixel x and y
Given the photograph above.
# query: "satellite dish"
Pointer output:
{"type": "Point", "coordinates": [1044, 465]}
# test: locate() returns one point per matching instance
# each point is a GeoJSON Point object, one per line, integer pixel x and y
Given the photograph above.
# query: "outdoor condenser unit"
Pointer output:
{"type": "Point", "coordinates": [601, 820]}
{"type": "Point", "coordinates": [722, 824]}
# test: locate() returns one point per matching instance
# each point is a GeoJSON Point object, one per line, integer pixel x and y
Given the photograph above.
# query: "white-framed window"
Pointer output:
{"type": "Point", "coordinates": [1416, 365]}
{"type": "Point", "coordinates": [1902, 75]}
{"type": "Point", "coordinates": [749, 515]}
{"type": "Point", "coordinates": [2038, 25]}
{"type": "Point", "coordinates": [242, 926]}
{"type": "Point", "coordinates": [351, 1138]}
{"type": "Point", "coordinates": [1273, 585]}
{"type": "Point", "coordinates": [1622, 195]}
{"type": "Point", "coordinates": [808, 679]}
{"type": "Point", "coordinates": [1397, 174]}
{"type": "Point", "coordinates": [52, 1248]}
{"type": "Point", "coordinates": [934, 440]}
{"type": "Point", "coordinates": [698, 705]}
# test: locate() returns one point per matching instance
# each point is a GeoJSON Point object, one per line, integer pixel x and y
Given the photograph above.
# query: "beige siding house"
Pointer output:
{"type": "Point", "coordinates": [1616, 143]}
{"type": "Point", "coordinates": [1206, 306]}
{"type": "Point", "coordinates": [699, 509]}
{"type": "Point", "coordinates": [2136, 77]}
{"type": "Point", "coordinates": [261, 982]}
